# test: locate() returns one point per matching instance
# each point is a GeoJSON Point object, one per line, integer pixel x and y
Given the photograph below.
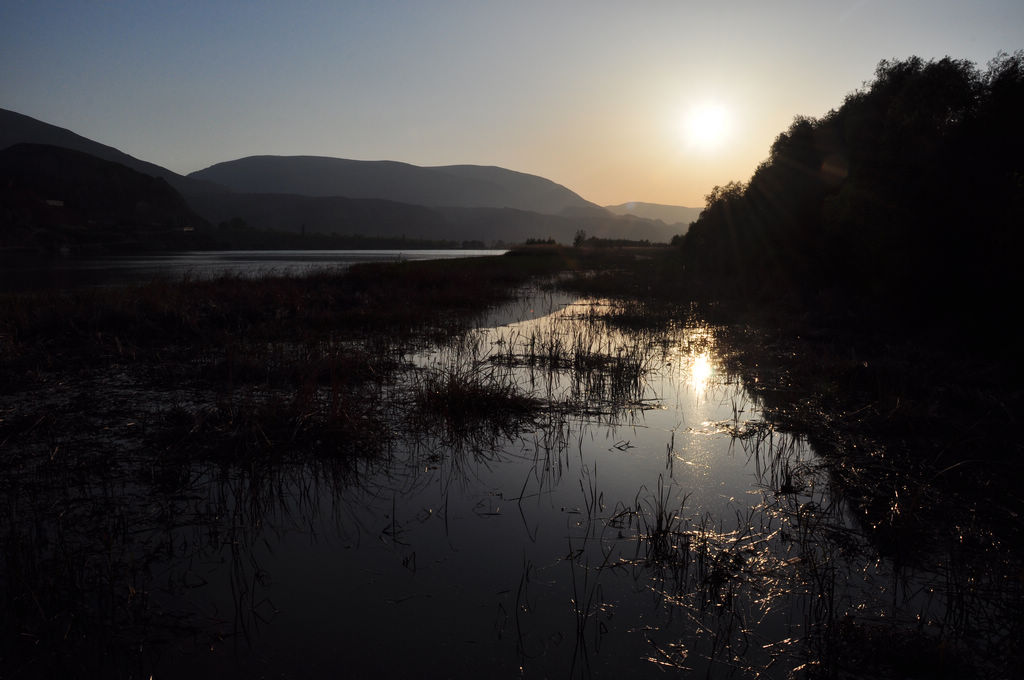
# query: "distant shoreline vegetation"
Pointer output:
{"type": "Point", "coordinates": [236, 235]}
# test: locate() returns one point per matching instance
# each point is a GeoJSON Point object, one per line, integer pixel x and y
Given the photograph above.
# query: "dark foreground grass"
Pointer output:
{"type": "Point", "coordinates": [248, 375]}
{"type": "Point", "coordinates": [394, 297]}
{"type": "Point", "coordinates": [236, 365]}
{"type": "Point", "coordinates": [918, 427]}
{"type": "Point", "coordinates": [120, 407]}
{"type": "Point", "coordinates": [821, 369]}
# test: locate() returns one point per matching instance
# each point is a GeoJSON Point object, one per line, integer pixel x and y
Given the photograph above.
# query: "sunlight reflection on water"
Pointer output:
{"type": "Point", "coordinates": [643, 515]}
{"type": "Point", "coordinates": [517, 544]}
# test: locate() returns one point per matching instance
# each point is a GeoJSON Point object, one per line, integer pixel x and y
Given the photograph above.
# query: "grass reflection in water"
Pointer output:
{"type": "Point", "coordinates": [579, 494]}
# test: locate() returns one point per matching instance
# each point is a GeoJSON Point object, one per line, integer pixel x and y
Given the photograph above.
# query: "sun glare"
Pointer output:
{"type": "Point", "coordinates": [700, 372]}
{"type": "Point", "coordinates": [707, 125]}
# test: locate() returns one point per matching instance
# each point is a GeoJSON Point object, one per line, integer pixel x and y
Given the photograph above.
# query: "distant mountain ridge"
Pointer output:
{"type": "Point", "coordinates": [456, 202]}
{"type": "Point", "coordinates": [17, 128]}
{"type": "Point", "coordinates": [669, 214]}
{"type": "Point", "coordinates": [52, 197]}
{"type": "Point", "coordinates": [339, 215]}
{"type": "Point", "coordinates": [460, 186]}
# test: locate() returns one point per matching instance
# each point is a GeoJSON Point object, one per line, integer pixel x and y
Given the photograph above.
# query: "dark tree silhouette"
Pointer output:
{"type": "Point", "coordinates": [907, 197]}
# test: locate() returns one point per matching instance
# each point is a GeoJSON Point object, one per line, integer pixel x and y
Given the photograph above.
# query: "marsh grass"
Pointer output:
{"type": "Point", "coordinates": [100, 571]}
{"type": "Point", "coordinates": [892, 530]}
{"type": "Point", "coordinates": [717, 580]}
{"type": "Point", "coordinates": [648, 274]}
{"type": "Point", "coordinates": [464, 401]}
{"type": "Point", "coordinates": [124, 410]}
{"type": "Point", "coordinates": [285, 357]}
{"type": "Point", "coordinates": [201, 412]}
{"type": "Point", "coordinates": [581, 366]}
{"type": "Point", "coordinates": [839, 522]}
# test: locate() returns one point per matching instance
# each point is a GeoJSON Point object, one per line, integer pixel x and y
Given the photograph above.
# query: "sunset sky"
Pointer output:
{"type": "Point", "coordinates": [646, 100]}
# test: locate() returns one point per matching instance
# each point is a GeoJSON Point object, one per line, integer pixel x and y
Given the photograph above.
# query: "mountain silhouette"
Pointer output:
{"type": "Point", "coordinates": [297, 195]}
{"type": "Point", "coordinates": [17, 128]}
{"type": "Point", "coordinates": [52, 196]}
{"type": "Point", "coordinates": [466, 186]}
{"type": "Point", "coordinates": [338, 215]}
{"type": "Point", "coordinates": [669, 214]}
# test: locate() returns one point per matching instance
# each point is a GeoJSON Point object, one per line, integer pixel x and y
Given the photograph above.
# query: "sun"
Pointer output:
{"type": "Point", "coordinates": [707, 125]}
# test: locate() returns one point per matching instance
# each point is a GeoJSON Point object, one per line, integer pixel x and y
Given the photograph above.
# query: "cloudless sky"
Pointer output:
{"type": "Point", "coordinates": [591, 94]}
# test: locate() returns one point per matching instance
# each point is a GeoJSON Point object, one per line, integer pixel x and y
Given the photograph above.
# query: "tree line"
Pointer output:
{"type": "Point", "coordinates": [905, 203]}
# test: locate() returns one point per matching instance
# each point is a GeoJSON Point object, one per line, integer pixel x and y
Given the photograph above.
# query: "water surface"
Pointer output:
{"type": "Point", "coordinates": [71, 271]}
{"type": "Point", "coordinates": [647, 519]}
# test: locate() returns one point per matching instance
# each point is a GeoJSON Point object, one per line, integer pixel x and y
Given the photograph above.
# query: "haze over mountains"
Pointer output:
{"type": "Point", "coordinates": [305, 195]}
{"type": "Point", "coordinates": [669, 214]}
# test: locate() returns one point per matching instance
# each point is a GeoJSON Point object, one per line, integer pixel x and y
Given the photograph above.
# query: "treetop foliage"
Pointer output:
{"type": "Point", "coordinates": [909, 193]}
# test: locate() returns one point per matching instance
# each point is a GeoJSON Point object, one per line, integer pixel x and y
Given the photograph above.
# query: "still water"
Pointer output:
{"type": "Point", "coordinates": [645, 520]}
{"type": "Point", "coordinates": [31, 272]}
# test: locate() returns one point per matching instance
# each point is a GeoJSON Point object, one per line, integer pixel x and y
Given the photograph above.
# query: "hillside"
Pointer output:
{"type": "Point", "coordinates": [16, 128]}
{"type": "Point", "coordinates": [465, 186]}
{"type": "Point", "coordinates": [295, 214]}
{"type": "Point", "coordinates": [520, 190]}
{"type": "Point", "coordinates": [669, 214]}
{"type": "Point", "coordinates": [310, 195]}
{"type": "Point", "coordinates": [52, 197]}
{"type": "Point", "coordinates": [373, 217]}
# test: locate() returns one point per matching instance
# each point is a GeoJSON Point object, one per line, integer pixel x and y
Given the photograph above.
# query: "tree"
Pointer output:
{"type": "Point", "coordinates": [872, 199]}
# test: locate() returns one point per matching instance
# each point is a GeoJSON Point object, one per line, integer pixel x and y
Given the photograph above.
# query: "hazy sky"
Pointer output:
{"type": "Point", "coordinates": [594, 95]}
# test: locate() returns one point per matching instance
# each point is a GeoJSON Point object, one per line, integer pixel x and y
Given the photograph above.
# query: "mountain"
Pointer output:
{"type": "Point", "coordinates": [290, 213]}
{"type": "Point", "coordinates": [291, 195]}
{"type": "Point", "coordinates": [16, 128]}
{"type": "Point", "coordinates": [321, 195]}
{"type": "Point", "coordinates": [520, 190]}
{"type": "Point", "coordinates": [669, 214]}
{"type": "Point", "coordinates": [466, 186]}
{"type": "Point", "coordinates": [51, 197]}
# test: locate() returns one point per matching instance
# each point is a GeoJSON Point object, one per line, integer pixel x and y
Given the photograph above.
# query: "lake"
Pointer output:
{"type": "Point", "coordinates": [646, 520]}
{"type": "Point", "coordinates": [72, 271]}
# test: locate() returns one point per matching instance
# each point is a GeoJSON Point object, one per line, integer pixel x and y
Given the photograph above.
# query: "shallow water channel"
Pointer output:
{"type": "Point", "coordinates": [644, 518]}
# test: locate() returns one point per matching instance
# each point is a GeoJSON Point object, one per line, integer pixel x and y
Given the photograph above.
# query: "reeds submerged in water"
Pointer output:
{"type": "Point", "coordinates": [230, 413]}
